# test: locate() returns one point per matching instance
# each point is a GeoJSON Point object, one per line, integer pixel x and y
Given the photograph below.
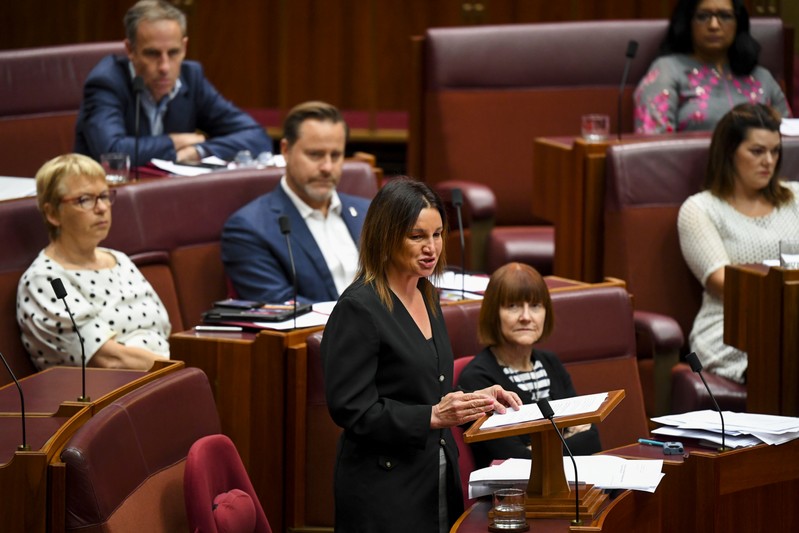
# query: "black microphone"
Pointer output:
{"type": "Point", "coordinates": [285, 229]}
{"type": "Point", "coordinates": [696, 366]}
{"type": "Point", "coordinates": [457, 201]}
{"type": "Point", "coordinates": [24, 447]}
{"type": "Point", "coordinates": [632, 48]}
{"type": "Point", "coordinates": [61, 294]}
{"type": "Point", "coordinates": [138, 88]}
{"type": "Point", "coordinates": [546, 410]}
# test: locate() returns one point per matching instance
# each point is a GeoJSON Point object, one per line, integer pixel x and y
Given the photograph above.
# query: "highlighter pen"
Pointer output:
{"type": "Point", "coordinates": [650, 442]}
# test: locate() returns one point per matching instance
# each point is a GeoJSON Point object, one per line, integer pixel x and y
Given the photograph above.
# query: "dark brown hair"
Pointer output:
{"type": "Point", "coordinates": [390, 218]}
{"type": "Point", "coordinates": [730, 132]}
{"type": "Point", "coordinates": [510, 284]}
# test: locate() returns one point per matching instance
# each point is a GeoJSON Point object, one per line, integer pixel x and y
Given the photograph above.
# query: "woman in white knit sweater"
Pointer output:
{"type": "Point", "coordinates": [739, 218]}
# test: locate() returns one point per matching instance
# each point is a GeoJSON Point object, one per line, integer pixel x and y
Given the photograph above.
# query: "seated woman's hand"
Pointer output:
{"type": "Point", "coordinates": [457, 408]}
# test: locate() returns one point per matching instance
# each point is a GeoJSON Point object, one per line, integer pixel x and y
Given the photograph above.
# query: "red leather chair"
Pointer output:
{"type": "Point", "coordinates": [219, 495]}
{"type": "Point", "coordinates": [465, 456]}
{"type": "Point", "coordinates": [646, 183]}
{"type": "Point", "coordinates": [124, 467]}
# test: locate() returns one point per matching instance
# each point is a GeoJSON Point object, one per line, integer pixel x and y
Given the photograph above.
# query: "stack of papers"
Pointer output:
{"type": "Point", "coordinates": [741, 429]}
{"type": "Point", "coordinates": [564, 407]}
{"type": "Point", "coordinates": [602, 471]}
{"type": "Point", "coordinates": [451, 285]}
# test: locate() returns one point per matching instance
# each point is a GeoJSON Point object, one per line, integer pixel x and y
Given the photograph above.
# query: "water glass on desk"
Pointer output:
{"type": "Point", "coordinates": [508, 511]}
{"type": "Point", "coordinates": [789, 254]}
{"type": "Point", "coordinates": [595, 128]}
{"type": "Point", "coordinates": [116, 166]}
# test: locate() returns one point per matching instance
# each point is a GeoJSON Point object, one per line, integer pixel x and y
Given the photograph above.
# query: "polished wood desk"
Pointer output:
{"type": "Point", "coordinates": [761, 317]}
{"type": "Point", "coordinates": [247, 372]}
{"type": "Point", "coordinates": [743, 490]}
{"type": "Point", "coordinates": [569, 193]}
{"type": "Point", "coordinates": [629, 512]}
{"type": "Point", "coordinates": [31, 483]}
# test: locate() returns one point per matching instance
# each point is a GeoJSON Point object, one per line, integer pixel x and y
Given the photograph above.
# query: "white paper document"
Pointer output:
{"type": "Point", "coordinates": [740, 429]}
{"type": "Point", "coordinates": [473, 285]}
{"type": "Point", "coordinates": [11, 188]}
{"type": "Point", "coordinates": [318, 316]}
{"type": "Point", "coordinates": [180, 170]}
{"type": "Point", "coordinates": [602, 471]}
{"type": "Point", "coordinates": [789, 127]}
{"type": "Point", "coordinates": [529, 412]}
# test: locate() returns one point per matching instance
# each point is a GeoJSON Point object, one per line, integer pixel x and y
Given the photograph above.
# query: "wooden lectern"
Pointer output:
{"type": "Point", "coordinates": [548, 493]}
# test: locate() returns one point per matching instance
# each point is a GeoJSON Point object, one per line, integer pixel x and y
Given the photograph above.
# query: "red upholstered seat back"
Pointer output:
{"type": "Point", "coordinates": [484, 93]}
{"type": "Point", "coordinates": [646, 185]}
{"type": "Point", "coordinates": [213, 468]}
{"type": "Point", "coordinates": [42, 90]}
{"type": "Point", "coordinates": [465, 455]}
{"type": "Point", "coordinates": [125, 465]}
{"type": "Point", "coordinates": [594, 338]}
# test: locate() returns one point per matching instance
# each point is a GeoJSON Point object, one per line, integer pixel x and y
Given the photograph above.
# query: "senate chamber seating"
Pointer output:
{"type": "Point", "coordinates": [123, 469]}
{"type": "Point", "coordinates": [482, 94]}
{"type": "Point", "coordinates": [170, 227]}
{"type": "Point", "coordinates": [593, 336]}
{"type": "Point", "coordinates": [646, 184]}
{"type": "Point", "coordinates": [42, 90]}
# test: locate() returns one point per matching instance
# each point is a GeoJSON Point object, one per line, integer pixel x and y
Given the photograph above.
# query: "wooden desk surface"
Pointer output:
{"type": "Point", "coordinates": [743, 490]}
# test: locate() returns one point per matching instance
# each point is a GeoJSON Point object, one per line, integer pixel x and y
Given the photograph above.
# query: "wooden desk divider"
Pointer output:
{"type": "Point", "coordinates": [548, 492]}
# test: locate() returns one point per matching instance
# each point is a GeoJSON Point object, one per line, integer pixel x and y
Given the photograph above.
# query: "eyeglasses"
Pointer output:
{"type": "Point", "coordinates": [88, 202]}
{"type": "Point", "coordinates": [724, 17]}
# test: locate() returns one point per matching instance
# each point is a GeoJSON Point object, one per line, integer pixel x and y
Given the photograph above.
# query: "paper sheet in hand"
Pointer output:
{"type": "Point", "coordinates": [529, 412]}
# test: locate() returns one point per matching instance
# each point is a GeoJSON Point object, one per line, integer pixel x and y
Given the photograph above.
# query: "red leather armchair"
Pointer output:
{"type": "Point", "coordinates": [42, 90]}
{"type": "Point", "coordinates": [124, 467]}
{"type": "Point", "coordinates": [647, 183]}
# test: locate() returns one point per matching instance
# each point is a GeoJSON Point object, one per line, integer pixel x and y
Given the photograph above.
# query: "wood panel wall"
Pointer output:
{"type": "Point", "coordinates": [276, 53]}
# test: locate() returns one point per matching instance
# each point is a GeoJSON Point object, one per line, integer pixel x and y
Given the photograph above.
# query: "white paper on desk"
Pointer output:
{"type": "Point", "coordinates": [180, 170]}
{"type": "Point", "coordinates": [509, 473]}
{"type": "Point", "coordinates": [564, 407]}
{"type": "Point", "coordinates": [610, 472]}
{"type": "Point", "coordinates": [603, 471]}
{"type": "Point", "coordinates": [452, 281]}
{"type": "Point", "coordinates": [733, 441]}
{"type": "Point", "coordinates": [324, 307]}
{"type": "Point", "coordinates": [789, 127]}
{"type": "Point", "coordinates": [11, 188]}
{"type": "Point", "coordinates": [314, 318]}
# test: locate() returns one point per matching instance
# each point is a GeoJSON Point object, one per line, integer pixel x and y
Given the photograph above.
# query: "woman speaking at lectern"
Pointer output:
{"type": "Point", "coordinates": [388, 369]}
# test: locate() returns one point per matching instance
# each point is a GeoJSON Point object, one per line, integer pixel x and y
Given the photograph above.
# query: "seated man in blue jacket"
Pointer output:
{"type": "Point", "coordinates": [182, 116]}
{"type": "Point", "coordinates": [325, 225]}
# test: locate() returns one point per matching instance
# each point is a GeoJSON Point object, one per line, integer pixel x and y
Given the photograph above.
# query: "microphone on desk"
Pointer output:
{"type": "Point", "coordinates": [61, 294]}
{"type": "Point", "coordinates": [549, 414]}
{"type": "Point", "coordinates": [632, 48]}
{"type": "Point", "coordinates": [696, 366]}
{"type": "Point", "coordinates": [24, 447]}
{"type": "Point", "coordinates": [457, 201]}
{"type": "Point", "coordinates": [285, 229]}
{"type": "Point", "coordinates": [138, 88]}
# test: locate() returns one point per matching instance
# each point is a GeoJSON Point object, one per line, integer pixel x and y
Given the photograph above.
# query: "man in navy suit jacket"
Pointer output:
{"type": "Point", "coordinates": [182, 116]}
{"type": "Point", "coordinates": [325, 225]}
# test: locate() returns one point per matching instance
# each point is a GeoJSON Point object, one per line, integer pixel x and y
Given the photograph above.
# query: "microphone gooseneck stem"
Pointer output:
{"type": "Point", "coordinates": [293, 278]}
{"type": "Point", "coordinates": [83, 397]}
{"type": "Point", "coordinates": [136, 138]}
{"type": "Point", "coordinates": [721, 416]}
{"type": "Point", "coordinates": [24, 447]}
{"type": "Point", "coordinates": [463, 253]}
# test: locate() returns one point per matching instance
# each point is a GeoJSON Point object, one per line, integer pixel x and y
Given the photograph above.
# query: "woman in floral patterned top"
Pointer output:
{"type": "Point", "coordinates": [708, 66]}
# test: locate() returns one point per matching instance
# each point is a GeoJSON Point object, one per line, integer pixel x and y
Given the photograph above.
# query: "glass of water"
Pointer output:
{"type": "Point", "coordinates": [789, 254]}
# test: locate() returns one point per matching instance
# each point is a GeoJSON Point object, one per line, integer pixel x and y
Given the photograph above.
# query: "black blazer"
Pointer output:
{"type": "Point", "coordinates": [484, 371]}
{"type": "Point", "coordinates": [382, 378]}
